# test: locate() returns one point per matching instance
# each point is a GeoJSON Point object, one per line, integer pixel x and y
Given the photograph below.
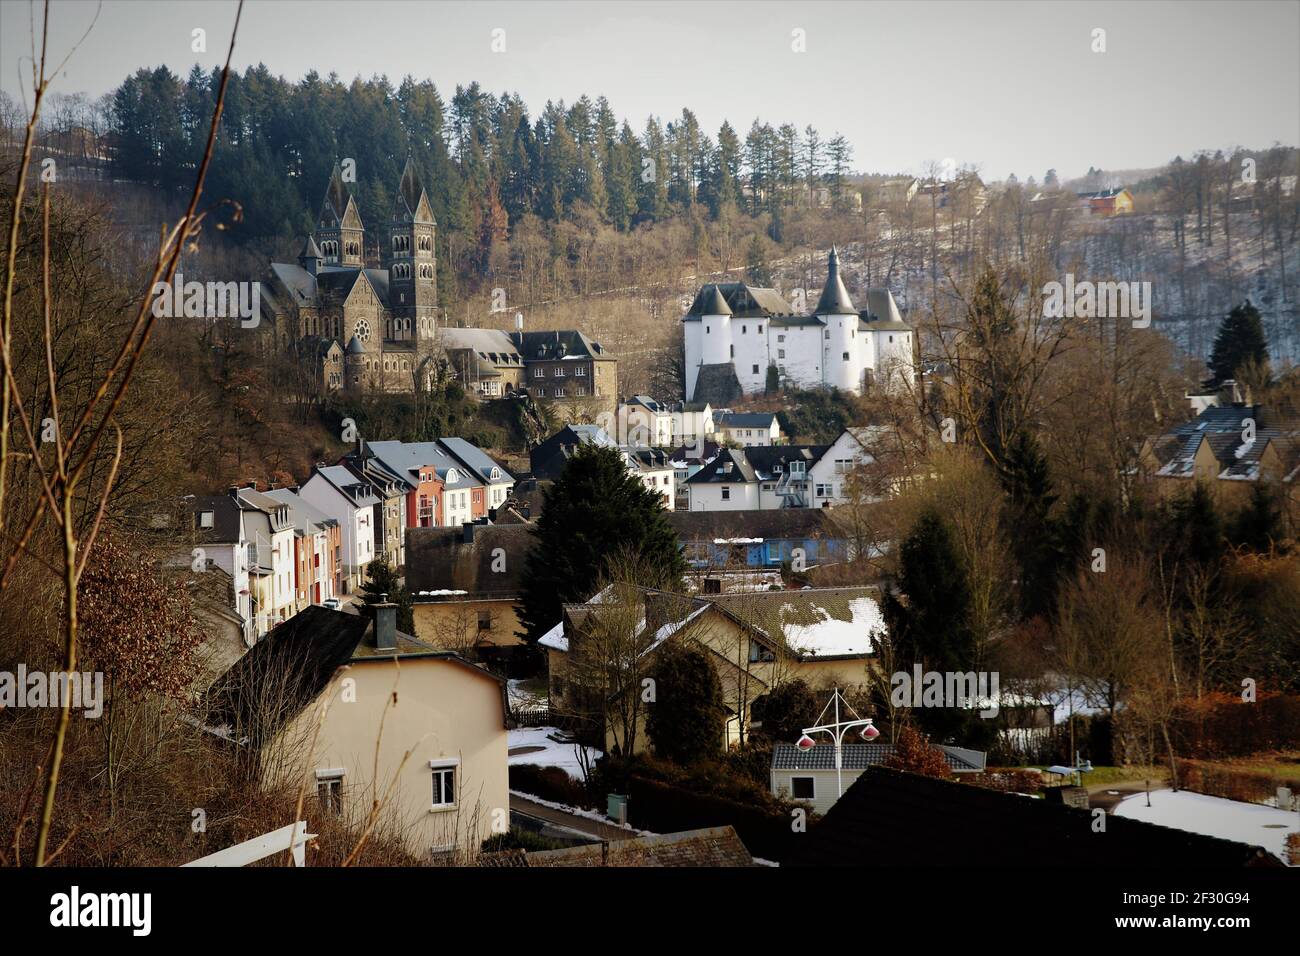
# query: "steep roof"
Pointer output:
{"type": "Point", "coordinates": [305, 516]}
{"type": "Point", "coordinates": [310, 250]}
{"type": "Point", "coordinates": [742, 301]}
{"type": "Point", "coordinates": [882, 313]}
{"type": "Point", "coordinates": [475, 458]}
{"type": "Point", "coordinates": [490, 345]}
{"type": "Point", "coordinates": [756, 463]}
{"type": "Point", "coordinates": [440, 562]}
{"type": "Point", "coordinates": [404, 458]}
{"type": "Point", "coordinates": [557, 344]}
{"type": "Point", "coordinates": [296, 661]}
{"type": "Point", "coordinates": [717, 384]}
{"type": "Point", "coordinates": [835, 298]}
{"type": "Point", "coordinates": [410, 191]}
{"type": "Point", "coordinates": [353, 488]}
{"type": "Point", "coordinates": [888, 815]}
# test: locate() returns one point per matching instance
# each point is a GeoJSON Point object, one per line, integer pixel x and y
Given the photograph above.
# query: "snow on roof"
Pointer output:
{"type": "Point", "coordinates": [555, 639]}
{"type": "Point", "coordinates": [441, 592]}
{"type": "Point", "coordinates": [737, 540]}
{"type": "Point", "coordinates": [831, 636]}
{"type": "Point", "coordinates": [1249, 823]}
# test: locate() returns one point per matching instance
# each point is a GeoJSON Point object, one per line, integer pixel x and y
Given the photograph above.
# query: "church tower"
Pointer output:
{"type": "Point", "coordinates": [339, 231]}
{"type": "Point", "coordinates": [411, 262]}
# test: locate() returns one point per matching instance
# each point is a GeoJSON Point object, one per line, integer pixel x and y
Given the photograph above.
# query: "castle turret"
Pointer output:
{"type": "Point", "coordinates": [715, 316]}
{"type": "Point", "coordinates": [841, 365]}
{"type": "Point", "coordinates": [354, 365]}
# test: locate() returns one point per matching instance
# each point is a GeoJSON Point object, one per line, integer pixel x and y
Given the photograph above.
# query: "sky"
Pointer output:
{"type": "Point", "coordinates": [1008, 87]}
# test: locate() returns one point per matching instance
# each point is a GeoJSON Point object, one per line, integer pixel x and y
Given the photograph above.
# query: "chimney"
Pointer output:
{"type": "Point", "coordinates": [251, 485]}
{"type": "Point", "coordinates": [233, 491]}
{"type": "Point", "coordinates": [385, 624]}
{"type": "Point", "coordinates": [293, 488]}
{"type": "Point", "coordinates": [467, 532]}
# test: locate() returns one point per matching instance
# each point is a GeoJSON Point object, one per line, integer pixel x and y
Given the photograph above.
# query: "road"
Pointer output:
{"type": "Point", "coordinates": [568, 825]}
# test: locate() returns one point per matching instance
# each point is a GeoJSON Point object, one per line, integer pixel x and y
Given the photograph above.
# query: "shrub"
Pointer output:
{"type": "Point", "coordinates": [548, 783]}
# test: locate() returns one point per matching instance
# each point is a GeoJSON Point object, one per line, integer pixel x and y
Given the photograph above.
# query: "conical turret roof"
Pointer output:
{"type": "Point", "coordinates": [310, 250]}
{"type": "Point", "coordinates": [714, 303]}
{"type": "Point", "coordinates": [835, 298]}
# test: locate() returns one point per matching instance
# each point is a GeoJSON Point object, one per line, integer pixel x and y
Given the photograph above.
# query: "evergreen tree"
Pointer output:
{"type": "Point", "coordinates": [687, 715]}
{"type": "Point", "coordinates": [1239, 341]}
{"type": "Point", "coordinates": [594, 512]}
{"type": "Point", "coordinates": [381, 579]}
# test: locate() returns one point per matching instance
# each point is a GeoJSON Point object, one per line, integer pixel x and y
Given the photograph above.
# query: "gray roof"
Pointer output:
{"type": "Point", "coordinates": [786, 756]}
{"type": "Point", "coordinates": [355, 489]}
{"type": "Point", "coordinates": [744, 301]}
{"type": "Point", "coordinates": [756, 463]}
{"type": "Point", "coordinates": [310, 250]}
{"type": "Point", "coordinates": [744, 420]}
{"type": "Point", "coordinates": [714, 303]}
{"type": "Point", "coordinates": [300, 283]}
{"type": "Point", "coordinates": [307, 517]}
{"type": "Point", "coordinates": [835, 298]}
{"type": "Point", "coordinates": [491, 345]}
{"type": "Point", "coordinates": [404, 457]}
{"type": "Point", "coordinates": [475, 458]}
{"type": "Point", "coordinates": [559, 343]}
{"type": "Point", "coordinates": [717, 384]}
{"type": "Point", "coordinates": [355, 347]}
{"type": "Point", "coordinates": [882, 313]}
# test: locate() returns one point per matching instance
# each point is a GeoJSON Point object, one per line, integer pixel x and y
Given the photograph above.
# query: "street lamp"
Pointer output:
{"type": "Point", "coordinates": [837, 729]}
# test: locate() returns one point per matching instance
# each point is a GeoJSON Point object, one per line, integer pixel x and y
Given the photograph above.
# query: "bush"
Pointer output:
{"type": "Point", "coordinates": [548, 783]}
{"type": "Point", "coordinates": [517, 838]}
{"type": "Point", "coordinates": [1228, 782]}
{"type": "Point", "coordinates": [1223, 725]}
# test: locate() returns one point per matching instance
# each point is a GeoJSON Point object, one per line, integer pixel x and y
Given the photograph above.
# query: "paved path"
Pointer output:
{"type": "Point", "coordinates": [593, 829]}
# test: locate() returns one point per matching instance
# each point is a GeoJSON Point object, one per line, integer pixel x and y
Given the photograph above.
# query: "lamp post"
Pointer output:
{"type": "Point", "coordinates": [837, 729]}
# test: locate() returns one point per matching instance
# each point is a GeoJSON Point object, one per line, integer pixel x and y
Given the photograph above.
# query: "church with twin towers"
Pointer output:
{"type": "Point", "coordinates": [360, 328]}
{"type": "Point", "coordinates": [740, 340]}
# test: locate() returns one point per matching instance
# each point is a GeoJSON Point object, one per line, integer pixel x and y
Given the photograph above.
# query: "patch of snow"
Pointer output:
{"type": "Point", "coordinates": [552, 752]}
{"type": "Point", "coordinates": [555, 639]}
{"type": "Point", "coordinates": [737, 540]}
{"type": "Point", "coordinates": [442, 592]}
{"type": "Point", "coordinates": [583, 812]}
{"type": "Point", "coordinates": [831, 636]}
{"type": "Point", "coordinates": [1249, 823]}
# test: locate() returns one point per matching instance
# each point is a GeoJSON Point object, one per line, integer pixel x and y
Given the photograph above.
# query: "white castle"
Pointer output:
{"type": "Point", "coordinates": [734, 333]}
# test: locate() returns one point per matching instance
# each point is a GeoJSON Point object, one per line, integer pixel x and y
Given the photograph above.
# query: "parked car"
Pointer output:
{"type": "Point", "coordinates": [333, 604]}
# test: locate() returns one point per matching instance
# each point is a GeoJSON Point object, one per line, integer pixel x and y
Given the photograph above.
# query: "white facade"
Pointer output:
{"type": "Point", "coordinates": [834, 347]}
{"type": "Point", "coordinates": [355, 518]}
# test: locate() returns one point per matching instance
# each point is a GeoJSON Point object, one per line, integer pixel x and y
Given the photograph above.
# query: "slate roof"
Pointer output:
{"type": "Point", "coordinates": [881, 313]}
{"type": "Point", "coordinates": [835, 298]}
{"type": "Point", "coordinates": [353, 488]}
{"type": "Point", "coordinates": [756, 463]}
{"type": "Point", "coordinates": [744, 420]}
{"type": "Point", "coordinates": [888, 815]}
{"type": "Point", "coordinates": [1222, 428]}
{"type": "Point", "coordinates": [713, 847]}
{"type": "Point", "coordinates": [717, 384]}
{"type": "Point", "coordinates": [475, 458]}
{"type": "Point", "coordinates": [406, 458]}
{"type": "Point", "coordinates": [743, 301]}
{"type": "Point", "coordinates": [548, 346]}
{"type": "Point", "coordinates": [306, 517]}
{"type": "Point", "coordinates": [439, 559]}
{"type": "Point", "coordinates": [225, 518]}
{"type": "Point", "coordinates": [786, 756]}
{"type": "Point", "coordinates": [489, 345]}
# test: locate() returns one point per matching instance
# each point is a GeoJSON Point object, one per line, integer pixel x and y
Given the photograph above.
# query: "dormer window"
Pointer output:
{"type": "Point", "coordinates": [206, 519]}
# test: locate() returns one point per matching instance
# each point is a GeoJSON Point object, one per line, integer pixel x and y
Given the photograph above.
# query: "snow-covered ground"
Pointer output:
{"type": "Point", "coordinates": [1214, 816]}
{"type": "Point", "coordinates": [552, 752]}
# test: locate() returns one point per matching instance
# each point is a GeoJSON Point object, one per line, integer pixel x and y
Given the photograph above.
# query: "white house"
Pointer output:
{"type": "Point", "coordinates": [760, 478]}
{"type": "Point", "coordinates": [641, 420]}
{"type": "Point", "coordinates": [693, 422]}
{"type": "Point", "coordinates": [222, 541]}
{"type": "Point", "coordinates": [313, 530]}
{"type": "Point", "coordinates": [747, 429]}
{"type": "Point", "coordinates": [809, 776]}
{"type": "Point", "coordinates": [342, 495]}
{"type": "Point", "coordinates": [736, 336]}
{"type": "Point", "coordinates": [270, 527]}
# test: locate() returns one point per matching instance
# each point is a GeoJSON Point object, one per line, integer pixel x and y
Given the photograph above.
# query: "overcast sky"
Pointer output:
{"type": "Point", "coordinates": [1008, 86]}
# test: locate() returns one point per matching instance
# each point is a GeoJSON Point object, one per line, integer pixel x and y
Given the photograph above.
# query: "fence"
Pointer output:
{"type": "Point", "coordinates": [530, 715]}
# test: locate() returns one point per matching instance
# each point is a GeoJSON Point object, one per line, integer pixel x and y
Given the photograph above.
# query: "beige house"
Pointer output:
{"type": "Point", "coordinates": [465, 587]}
{"type": "Point", "coordinates": [756, 641]}
{"type": "Point", "coordinates": [357, 711]}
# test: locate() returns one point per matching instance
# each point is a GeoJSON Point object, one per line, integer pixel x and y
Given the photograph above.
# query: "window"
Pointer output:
{"type": "Point", "coordinates": [759, 329]}
{"type": "Point", "coordinates": [780, 353]}
{"type": "Point", "coordinates": [329, 790]}
{"type": "Point", "coordinates": [559, 391]}
{"type": "Point", "coordinates": [796, 467]}
{"type": "Point", "coordinates": [726, 493]}
{"type": "Point", "coordinates": [768, 487]}
{"type": "Point", "coordinates": [362, 330]}
{"type": "Point", "coordinates": [744, 330]}
{"type": "Point", "coordinates": [846, 356]}
{"type": "Point", "coordinates": [780, 338]}
{"type": "Point", "coordinates": [891, 338]}
{"type": "Point", "coordinates": [825, 491]}
{"type": "Point", "coordinates": [843, 465]}
{"type": "Point", "coordinates": [755, 372]}
{"type": "Point", "coordinates": [539, 372]}
{"type": "Point", "coordinates": [485, 620]}
{"type": "Point", "coordinates": [580, 371]}
{"type": "Point", "coordinates": [206, 519]}
{"type": "Point", "coordinates": [559, 371]}
{"type": "Point", "coordinates": [757, 653]}
{"type": "Point", "coordinates": [444, 783]}
{"type": "Point", "coordinates": [803, 788]}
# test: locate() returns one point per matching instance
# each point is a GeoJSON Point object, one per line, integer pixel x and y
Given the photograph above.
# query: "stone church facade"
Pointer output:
{"type": "Point", "coordinates": [357, 328]}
